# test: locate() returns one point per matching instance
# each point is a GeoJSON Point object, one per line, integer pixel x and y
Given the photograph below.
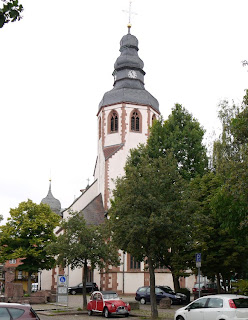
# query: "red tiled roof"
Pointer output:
{"type": "Point", "coordinates": [109, 151]}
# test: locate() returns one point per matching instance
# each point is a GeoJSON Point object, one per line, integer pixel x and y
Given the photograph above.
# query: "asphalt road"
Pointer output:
{"type": "Point", "coordinates": [75, 302]}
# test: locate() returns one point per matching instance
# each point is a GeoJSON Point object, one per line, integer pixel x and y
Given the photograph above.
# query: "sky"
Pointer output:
{"type": "Point", "coordinates": [57, 62]}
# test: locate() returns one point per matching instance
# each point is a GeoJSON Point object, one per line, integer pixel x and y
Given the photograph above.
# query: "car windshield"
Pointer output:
{"type": "Point", "coordinates": [110, 296]}
{"type": "Point", "coordinates": [241, 302]}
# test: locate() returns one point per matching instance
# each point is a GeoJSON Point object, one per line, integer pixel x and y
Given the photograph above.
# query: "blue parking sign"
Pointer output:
{"type": "Point", "coordinates": [198, 257]}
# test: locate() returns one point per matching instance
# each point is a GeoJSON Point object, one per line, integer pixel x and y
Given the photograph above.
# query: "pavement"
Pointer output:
{"type": "Point", "coordinates": [74, 310]}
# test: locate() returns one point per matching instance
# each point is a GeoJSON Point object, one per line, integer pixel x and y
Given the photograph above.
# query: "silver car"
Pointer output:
{"type": "Point", "coordinates": [215, 307]}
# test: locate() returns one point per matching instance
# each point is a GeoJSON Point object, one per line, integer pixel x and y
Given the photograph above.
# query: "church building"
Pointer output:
{"type": "Point", "coordinates": [124, 116]}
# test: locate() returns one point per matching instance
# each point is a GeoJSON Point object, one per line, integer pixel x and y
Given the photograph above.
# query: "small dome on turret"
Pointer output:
{"type": "Point", "coordinates": [129, 40]}
{"type": "Point", "coordinates": [129, 53]}
{"type": "Point", "coordinates": [53, 203]}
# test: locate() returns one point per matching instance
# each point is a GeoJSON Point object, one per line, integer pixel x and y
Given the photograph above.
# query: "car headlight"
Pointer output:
{"type": "Point", "coordinates": [177, 296]}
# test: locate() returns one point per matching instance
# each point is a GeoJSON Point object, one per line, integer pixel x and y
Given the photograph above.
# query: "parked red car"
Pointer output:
{"type": "Point", "coordinates": [17, 311]}
{"type": "Point", "coordinates": [108, 303]}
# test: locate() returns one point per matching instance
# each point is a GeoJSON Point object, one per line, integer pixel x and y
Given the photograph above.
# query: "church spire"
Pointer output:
{"type": "Point", "coordinates": [129, 75]}
{"type": "Point", "coordinates": [53, 203]}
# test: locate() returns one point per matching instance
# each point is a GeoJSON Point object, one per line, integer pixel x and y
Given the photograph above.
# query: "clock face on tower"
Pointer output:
{"type": "Point", "coordinates": [132, 74]}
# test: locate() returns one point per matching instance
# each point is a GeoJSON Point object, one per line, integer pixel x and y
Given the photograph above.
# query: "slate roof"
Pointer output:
{"type": "Point", "coordinates": [54, 203]}
{"type": "Point", "coordinates": [128, 90]}
{"type": "Point", "coordinates": [94, 212]}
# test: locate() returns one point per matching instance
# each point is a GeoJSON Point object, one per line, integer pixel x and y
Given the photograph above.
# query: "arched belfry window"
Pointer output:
{"type": "Point", "coordinates": [113, 121]}
{"type": "Point", "coordinates": [135, 121]}
{"type": "Point", "coordinates": [153, 118]}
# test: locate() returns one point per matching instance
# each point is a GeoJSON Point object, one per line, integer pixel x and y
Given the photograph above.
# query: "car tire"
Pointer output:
{"type": "Point", "coordinates": [180, 318]}
{"type": "Point", "coordinates": [143, 301]}
{"type": "Point", "coordinates": [106, 313]}
{"type": "Point", "coordinates": [73, 292]}
{"type": "Point", "coordinates": [90, 312]}
{"type": "Point", "coordinates": [127, 315]}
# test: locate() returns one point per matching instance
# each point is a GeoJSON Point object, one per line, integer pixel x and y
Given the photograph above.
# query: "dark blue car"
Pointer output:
{"type": "Point", "coordinates": [143, 295]}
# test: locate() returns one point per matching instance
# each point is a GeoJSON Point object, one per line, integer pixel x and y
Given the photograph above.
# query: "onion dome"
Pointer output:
{"type": "Point", "coordinates": [53, 203]}
{"type": "Point", "coordinates": [129, 77]}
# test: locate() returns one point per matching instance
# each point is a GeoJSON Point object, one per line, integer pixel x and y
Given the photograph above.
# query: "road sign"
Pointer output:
{"type": "Point", "coordinates": [62, 280]}
{"type": "Point", "coordinates": [198, 264]}
{"type": "Point", "coordinates": [198, 257]}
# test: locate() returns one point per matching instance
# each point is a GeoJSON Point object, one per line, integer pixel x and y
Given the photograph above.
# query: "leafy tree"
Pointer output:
{"type": "Point", "coordinates": [11, 11]}
{"type": "Point", "coordinates": [145, 203]}
{"type": "Point", "coordinates": [27, 232]}
{"type": "Point", "coordinates": [221, 252]}
{"type": "Point", "coordinates": [81, 244]}
{"type": "Point", "coordinates": [231, 162]}
{"type": "Point", "coordinates": [182, 134]}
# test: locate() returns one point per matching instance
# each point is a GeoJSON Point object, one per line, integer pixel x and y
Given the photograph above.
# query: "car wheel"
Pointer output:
{"type": "Point", "coordinates": [90, 312]}
{"type": "Point", "coordinates": [180, 318]}
{"type": "Point", "coordinates": [127, 315]}
{"type": "Point", "coordinates": [143, 301]}
{"type": "Point", "coordinates": [106, 312]}
{"type": "Point", "coordinates": [73, 292]}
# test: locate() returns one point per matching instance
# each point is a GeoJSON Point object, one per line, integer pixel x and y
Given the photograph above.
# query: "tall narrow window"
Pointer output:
{"type": "Point", "coordinates": [153, 118]}
{"type": "Point", "coordinates": [134, 264]}
{"type": "Point", "coordinates": [113, 122]}
{"type": "Point", "coordinates": [135, 121]}
{"type": "Point", "coordinates": [100, 128]}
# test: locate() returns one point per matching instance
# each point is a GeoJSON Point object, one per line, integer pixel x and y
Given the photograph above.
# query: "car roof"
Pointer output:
{"type": "Point", "coordinates": [224, 295]}
{"type": "Point", "coordinates": [13, 304]}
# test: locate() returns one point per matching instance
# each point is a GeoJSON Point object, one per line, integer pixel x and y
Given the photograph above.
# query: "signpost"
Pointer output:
{"type": "Point", "coordinates": [198, 265]}
{"type": "Point", "coordinates": [62, 290]}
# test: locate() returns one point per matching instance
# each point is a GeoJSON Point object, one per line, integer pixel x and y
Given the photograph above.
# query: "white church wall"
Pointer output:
{"type": "Point", "coordinates": [45, 279]}
{"type": "Point", "coordinates": [133, 281]}
{"type": "Point", "coordinates": [97, 277]}
{"type": "Point", "coordinates": [190, 282]}
{"type": "Point", "coordinates": [75, 276]}
{"type": "Point", "coordinates": [164, 279]}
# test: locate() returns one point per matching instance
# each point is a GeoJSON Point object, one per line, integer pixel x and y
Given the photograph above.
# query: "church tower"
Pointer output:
{"type": "Point", "coordinates": [124, 117]}
{"type": "Point", "coordinates": [53, 203]}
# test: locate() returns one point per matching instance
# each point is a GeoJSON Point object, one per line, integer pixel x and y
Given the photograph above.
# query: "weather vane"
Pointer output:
{"type": "Point", "coordinates": [130, 12]}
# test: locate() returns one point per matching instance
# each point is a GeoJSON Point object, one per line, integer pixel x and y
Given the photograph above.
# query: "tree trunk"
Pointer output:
{"type": "Point", "coordinates": [85, 271]}
{"type": "Point", "coordinates": [154, 309]}
{"type": "Point", "coordinates": [29, 282]}
{"type": "Point", "coordinates": [218, 283]}
{"type": "Point", "coordinates": [176, 282]}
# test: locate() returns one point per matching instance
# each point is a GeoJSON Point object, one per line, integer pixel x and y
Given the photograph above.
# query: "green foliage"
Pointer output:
{"type": "Point", "coordinates": [27, 232]}
{"type": "Point", "coordinates": [231, 163]}
{"type": "Point", "coordinates": [146, 198]}
{"type": "Point", "coordinates": [182, 135]}
{"type": "Point", "coordinates": [147, 201]}
{"type": "Point", "coordinates": [11, 11]}
{"type": "Point", "coordinates": [80, 243]}
{"type": "Point", "coordinates": [241, 287]}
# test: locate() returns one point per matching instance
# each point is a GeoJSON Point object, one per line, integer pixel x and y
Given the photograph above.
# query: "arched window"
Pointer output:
{"type": "Point", "coordinates": [136, 121]}
{"type": "Point", "coordinates": [153, 118]}
{"type": "Point", "coordinates": [113, 121]}
{"type": "Point", "coordinates": [100, 128]}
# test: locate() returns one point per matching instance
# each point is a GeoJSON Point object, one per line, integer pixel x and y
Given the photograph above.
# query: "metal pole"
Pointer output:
{"type": "Point", "coordinates": [199, 277]}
